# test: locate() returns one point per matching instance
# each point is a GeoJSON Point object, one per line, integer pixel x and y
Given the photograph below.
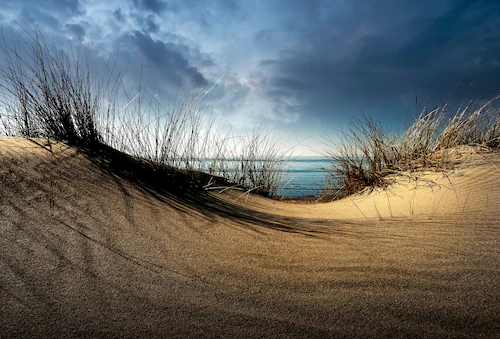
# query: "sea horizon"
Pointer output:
{"type": "Point", "coordinates": [304, 176]}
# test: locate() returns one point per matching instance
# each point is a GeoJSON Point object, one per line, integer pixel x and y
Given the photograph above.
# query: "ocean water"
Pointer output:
{"type": "Point", "coordinates": [306, 177]}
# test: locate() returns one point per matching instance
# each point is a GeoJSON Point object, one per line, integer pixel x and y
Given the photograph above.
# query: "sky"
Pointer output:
{"type": "Point", "coordinates": [306, 66]}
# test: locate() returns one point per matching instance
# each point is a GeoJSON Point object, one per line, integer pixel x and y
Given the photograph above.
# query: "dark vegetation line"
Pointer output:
{"type": "Point", "coordinates": [49, 92]}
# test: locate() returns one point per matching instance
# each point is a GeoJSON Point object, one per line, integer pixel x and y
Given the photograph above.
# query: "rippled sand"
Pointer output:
{"type": "Point", "coordinates": [87, 251]}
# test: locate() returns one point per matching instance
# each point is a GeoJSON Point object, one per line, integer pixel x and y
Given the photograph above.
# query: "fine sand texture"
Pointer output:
{"type": "Point", "coordinates": [91, 246]}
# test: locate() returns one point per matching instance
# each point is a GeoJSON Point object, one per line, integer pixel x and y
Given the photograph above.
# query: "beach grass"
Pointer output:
{"type": "Point", "coordinates": [54, 93]}
{"type": "Point", "coordinates": [368, 153]}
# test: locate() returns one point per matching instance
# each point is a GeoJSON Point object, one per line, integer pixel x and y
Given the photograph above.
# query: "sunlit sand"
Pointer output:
{"type": "Point", "coordinates": [90, 252]}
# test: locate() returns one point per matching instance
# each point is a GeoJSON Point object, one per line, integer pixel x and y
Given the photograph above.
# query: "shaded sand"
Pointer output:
{"type": "Point", "coordinates": [90, 252]}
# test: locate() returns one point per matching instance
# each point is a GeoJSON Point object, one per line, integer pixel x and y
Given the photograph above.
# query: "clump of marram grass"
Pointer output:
{"type": "Point", "coordinates": [183, 136]}
{"type": "Point", "coordinates": [51, 92]}
{"type": "Point", "coordinates": [189, 136]}
{"type": "Point", "coordinates": [262, 161]}
{"type": "Point", "coordinates": [367, 153]}
{"type": "Point", "coordinates": [364, 156]}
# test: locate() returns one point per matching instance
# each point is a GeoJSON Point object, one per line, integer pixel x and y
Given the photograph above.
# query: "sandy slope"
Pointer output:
{"type": "Point", "coordinates": [87, 252]}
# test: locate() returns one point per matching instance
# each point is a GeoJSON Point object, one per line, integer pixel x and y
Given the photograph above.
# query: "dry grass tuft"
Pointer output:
{"type": "Point", "coordinates": [368, 153]}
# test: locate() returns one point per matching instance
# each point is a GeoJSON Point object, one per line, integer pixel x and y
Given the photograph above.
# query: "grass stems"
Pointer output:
{"type": "Point", "coordinates": [50, 91]}
{"type": "Point", "coordinates": [50, 94]}
{"type": "Point", "coordinates": [367, 153]}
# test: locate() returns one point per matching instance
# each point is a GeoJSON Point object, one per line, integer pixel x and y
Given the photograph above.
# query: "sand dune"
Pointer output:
{"type": "Point", "coordinates": [91, 250]}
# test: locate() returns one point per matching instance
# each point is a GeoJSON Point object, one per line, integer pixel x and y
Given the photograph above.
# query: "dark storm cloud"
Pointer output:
{"type": "Point", "coordinates": [77, 31]}
{"type": "Point", "coordinates": [279, 93]}
{"type": "Point", "coordinates": [229, 5]}
{"type": "Point", "coordinates": [34, 15]}
{"type": "Point", "coordinates": [118, 14]}
{"type": "Point", "coordinates": [310, 60]}
{"type": "Point", "coordinates": [156, 6]}
{"type": "Point", "coordinates": [72, 7]}
{"type": "Point", "coordinates": [148, 23]}
{"type": "Point", "coordinates": [264, 37]}
{"type": "Point", "coordinates": [462, 45]}
{"type": "Point", "coordinates": [50, 14]}
{"type": "Point", "coordinates": [167, 58]}
{"type": "Point", "coordinates": [361, 58]}
{"type": "Point", "coordinates": [264, 63]}
{"type": "Point", "coordinates": [151, 24]}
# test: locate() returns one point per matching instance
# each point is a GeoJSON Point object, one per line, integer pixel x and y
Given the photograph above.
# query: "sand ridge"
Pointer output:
{"type": "Point", "coordinates": [471, 187]}
{"type": "Point", "coordinates": [88, 252]}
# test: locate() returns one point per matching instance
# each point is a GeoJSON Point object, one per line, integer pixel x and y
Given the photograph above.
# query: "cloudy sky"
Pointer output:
{"type": "Point", "coordinates": [309, 66]}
